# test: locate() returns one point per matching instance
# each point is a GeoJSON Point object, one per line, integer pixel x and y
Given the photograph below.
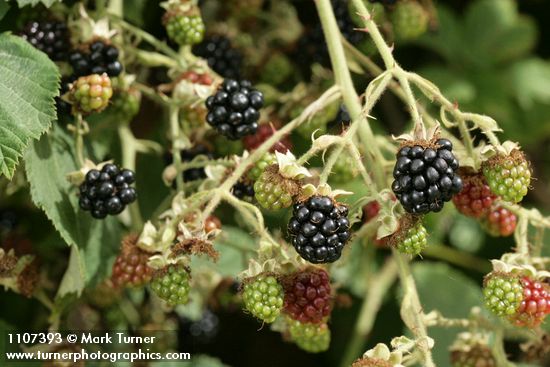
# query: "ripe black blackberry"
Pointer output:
{"type": "Point", "coordinates": [243, 190]}
{"type": "Point", "coordinates": [98, 59]}
{"type": "Point", "coordinates": [234, 109]}
{"type": "Point", "coordinates": [51, 37]}
{"type": "Point", "coordinates": [107, 191]}
{"type": "Point", "coordinates": [221, 56]}
{"type": "Point", "coordinates": [319, 229]}
{"type": "Point", "coordinates": [425, 177]}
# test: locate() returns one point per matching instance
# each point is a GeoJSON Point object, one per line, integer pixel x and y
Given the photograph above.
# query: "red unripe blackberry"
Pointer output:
{"type": "Point", "coordinates": [130, 268]}
{"type": "Point", "coordinates": [263, 133]}
{"type": "Point", "coordinates": [475, 199]}
{"type": "Point", "coordinates": [51, 38]}
{"type": "Point", "coordinates": [234, 109]}
{"type": "Point", "coordinates": [535, 304]}
{"type": "Point", "coordinates": [500, 222]}
{"type": "Point", "coordinates": [307, 296]}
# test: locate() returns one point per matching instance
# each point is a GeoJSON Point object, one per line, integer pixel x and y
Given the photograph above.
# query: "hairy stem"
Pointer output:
{"type": "Point", "coordinates": [129, 156]}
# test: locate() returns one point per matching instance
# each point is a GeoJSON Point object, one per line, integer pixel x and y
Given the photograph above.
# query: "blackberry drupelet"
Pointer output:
{"type": "Point", "coordinates": [234, 109]}
{"type": "Point", "coordinates": [221, 56]}
{"type": "Point", "coordinates": [107, 191]}
{"type": "Point", "coordinates": [100, 58]}
{"type": "Point", "coordinates": [50, 37]}
{"type": "Point", "coordinates": [425, 177]}
{"type": "Point", "coordinates": [319, 229]}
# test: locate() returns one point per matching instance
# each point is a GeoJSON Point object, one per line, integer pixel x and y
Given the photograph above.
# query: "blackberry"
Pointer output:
{"type": "Point", "coordinates": [260, 166]}
{"type": "Point", "coordinates": [307, 296]}
{"type": "Point", "coordinates": [409, 19]}
{"type": "Point", "coordinates": [319, 229]}
{"type": "Point", "coordinates": [310, 337]}
{"type": "Point", "coordinates": [475, 199]}
{"type": "Point", "coordinates": [503, 293]}
{"type": "Point", "coordinates": [107, 191]}
{"type": "Point", "coordinates": [535, 304]}
{"type": "Point", "coordinates": [243, 190]}
{"type": "Point", "coordinates": [8, 220]}
{"type": "Point", "coordinates": [91, 93]}
{"type": "Point", "coordinates": [508, 176]}
{"type": "Point", "coordinates": [234, 109]}
{"type": "Point", "coordinates": [52, 38]}
{"type": "Point", "coordinates": [185, 29]}
{"type": "Point", "coordinates": [130, 267]}
{"type": "Point", "coordinates": [263, 297]}
{"type": "Point", "coordinates": [221, 56]}
{"type": "Point", "coordinates": [413, 241]}
{"type": "Point", "coordinates": [500, 222]}
{"type": "Point", "coordinates": [273, 191]}
{"type": "Point", "coordinates": [425, 177]}
{"type": "Point", "coordinates": [171, 283]}
{"type": "Point", "coordinates": [98, 59]}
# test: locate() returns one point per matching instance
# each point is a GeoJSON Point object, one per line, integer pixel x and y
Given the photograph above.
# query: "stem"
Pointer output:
{"type": "Point", "coordinates": [456, 257]}
{"type": "Point", "coordinates": [79, 139]}
{"type": "Point", "coordinates": [343, 79]}
{"type": "Point", "coordinates": [175, 134]}
{"type": "Point", "coordinates": [129, 155]}
{"type": "Point", "coordinates": [411, 309]}
{"type": "Point", "coordinates": [379, 287]}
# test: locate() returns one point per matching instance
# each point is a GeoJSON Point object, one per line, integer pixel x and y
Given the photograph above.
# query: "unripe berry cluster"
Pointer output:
{"type": "Point", "coordinates": [263, 297]}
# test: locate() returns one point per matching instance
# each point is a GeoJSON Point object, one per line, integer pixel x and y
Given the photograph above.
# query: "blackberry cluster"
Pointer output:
{"type": "Point", "coordinates": [107, 191]}
{"type": "Point", "coordinates": [51, 38]}
{"type": "Point", "coordinates": [500, 222]}
{"type": "Point", "coordinates": [234, 109]}
{"type": "Point", "coordinates": [313, 338]}
{"type": "Point", "coordinates": [425, 178]}
{"type": "Point", "coordinates": [319, 229]}
{"type": "Point", "coordinates": [476, 199]}
{"type": "Point", "coordinates": [221, 56]}
{"type": "Point", "coordinates": [503, 293]}
{"type": "Point", "coordinates": [535, 304]}
{"type": "Point", "coordinates": [101, 58]}
{"type": "Point", "coordinates": [307, 296]}
{"type": "Point", "coordinates": [243, 190]}
{"type": "Point", "coordinates": [260, 166]}
{"type": "Point", "coordinates": [508, 176]}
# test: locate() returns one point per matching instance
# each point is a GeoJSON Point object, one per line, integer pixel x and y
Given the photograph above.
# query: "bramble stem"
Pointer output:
{"type": "Point", "coordinates": [175, 135]}
{"type": "Point", "coordinates": [79, 139]}
{"type": "Point", "coordinates": [128, 145]}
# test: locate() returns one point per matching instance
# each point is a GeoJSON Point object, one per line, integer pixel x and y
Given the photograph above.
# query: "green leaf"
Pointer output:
{"type": "Point", "coordinates": [47, 163]}
{"type": "Point", "coordinates": [442, 288]}
{"type": "Point", "coordinates": [530, 79]}
{"type": "Point", "coordinates": [466, 234]}
{"type": "Point", "coordinates": [46, 3]}
{"type": "Point", "coordinates": [29, 81]}
{"type": "Point", "coordinates": [233, 244]}
{"type": "Point", "coordinates": [4, 7]}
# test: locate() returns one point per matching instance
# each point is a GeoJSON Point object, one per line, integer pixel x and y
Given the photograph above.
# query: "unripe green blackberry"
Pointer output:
{"type": "Point", "coordinates": [503, 293]}
{"type": "Point", "coordinates": [274, 191]}
{"type": "Point", "coordinates": [276, 70]}
{"type": "Point", "coordinates": [409, 20]}
{"type": "Point", "coordinates": [185, 29]}
{"type": "Point", "coordinates": [91, 93]}
{"type": "Point", "coordinates": [313, 338]}
{"type": "Point", "coordinates": [259, 167]}
{"type": "Point", "coordinates": [414, 240]}
{"type": "Point", "coordinates": [508, 176]}
{"type": "Point", "coordinates": [126, 104]}
{"type": "Point", "coordinates": [171, 283]}
{"type": "Point", "coordinates": [263, 297]}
